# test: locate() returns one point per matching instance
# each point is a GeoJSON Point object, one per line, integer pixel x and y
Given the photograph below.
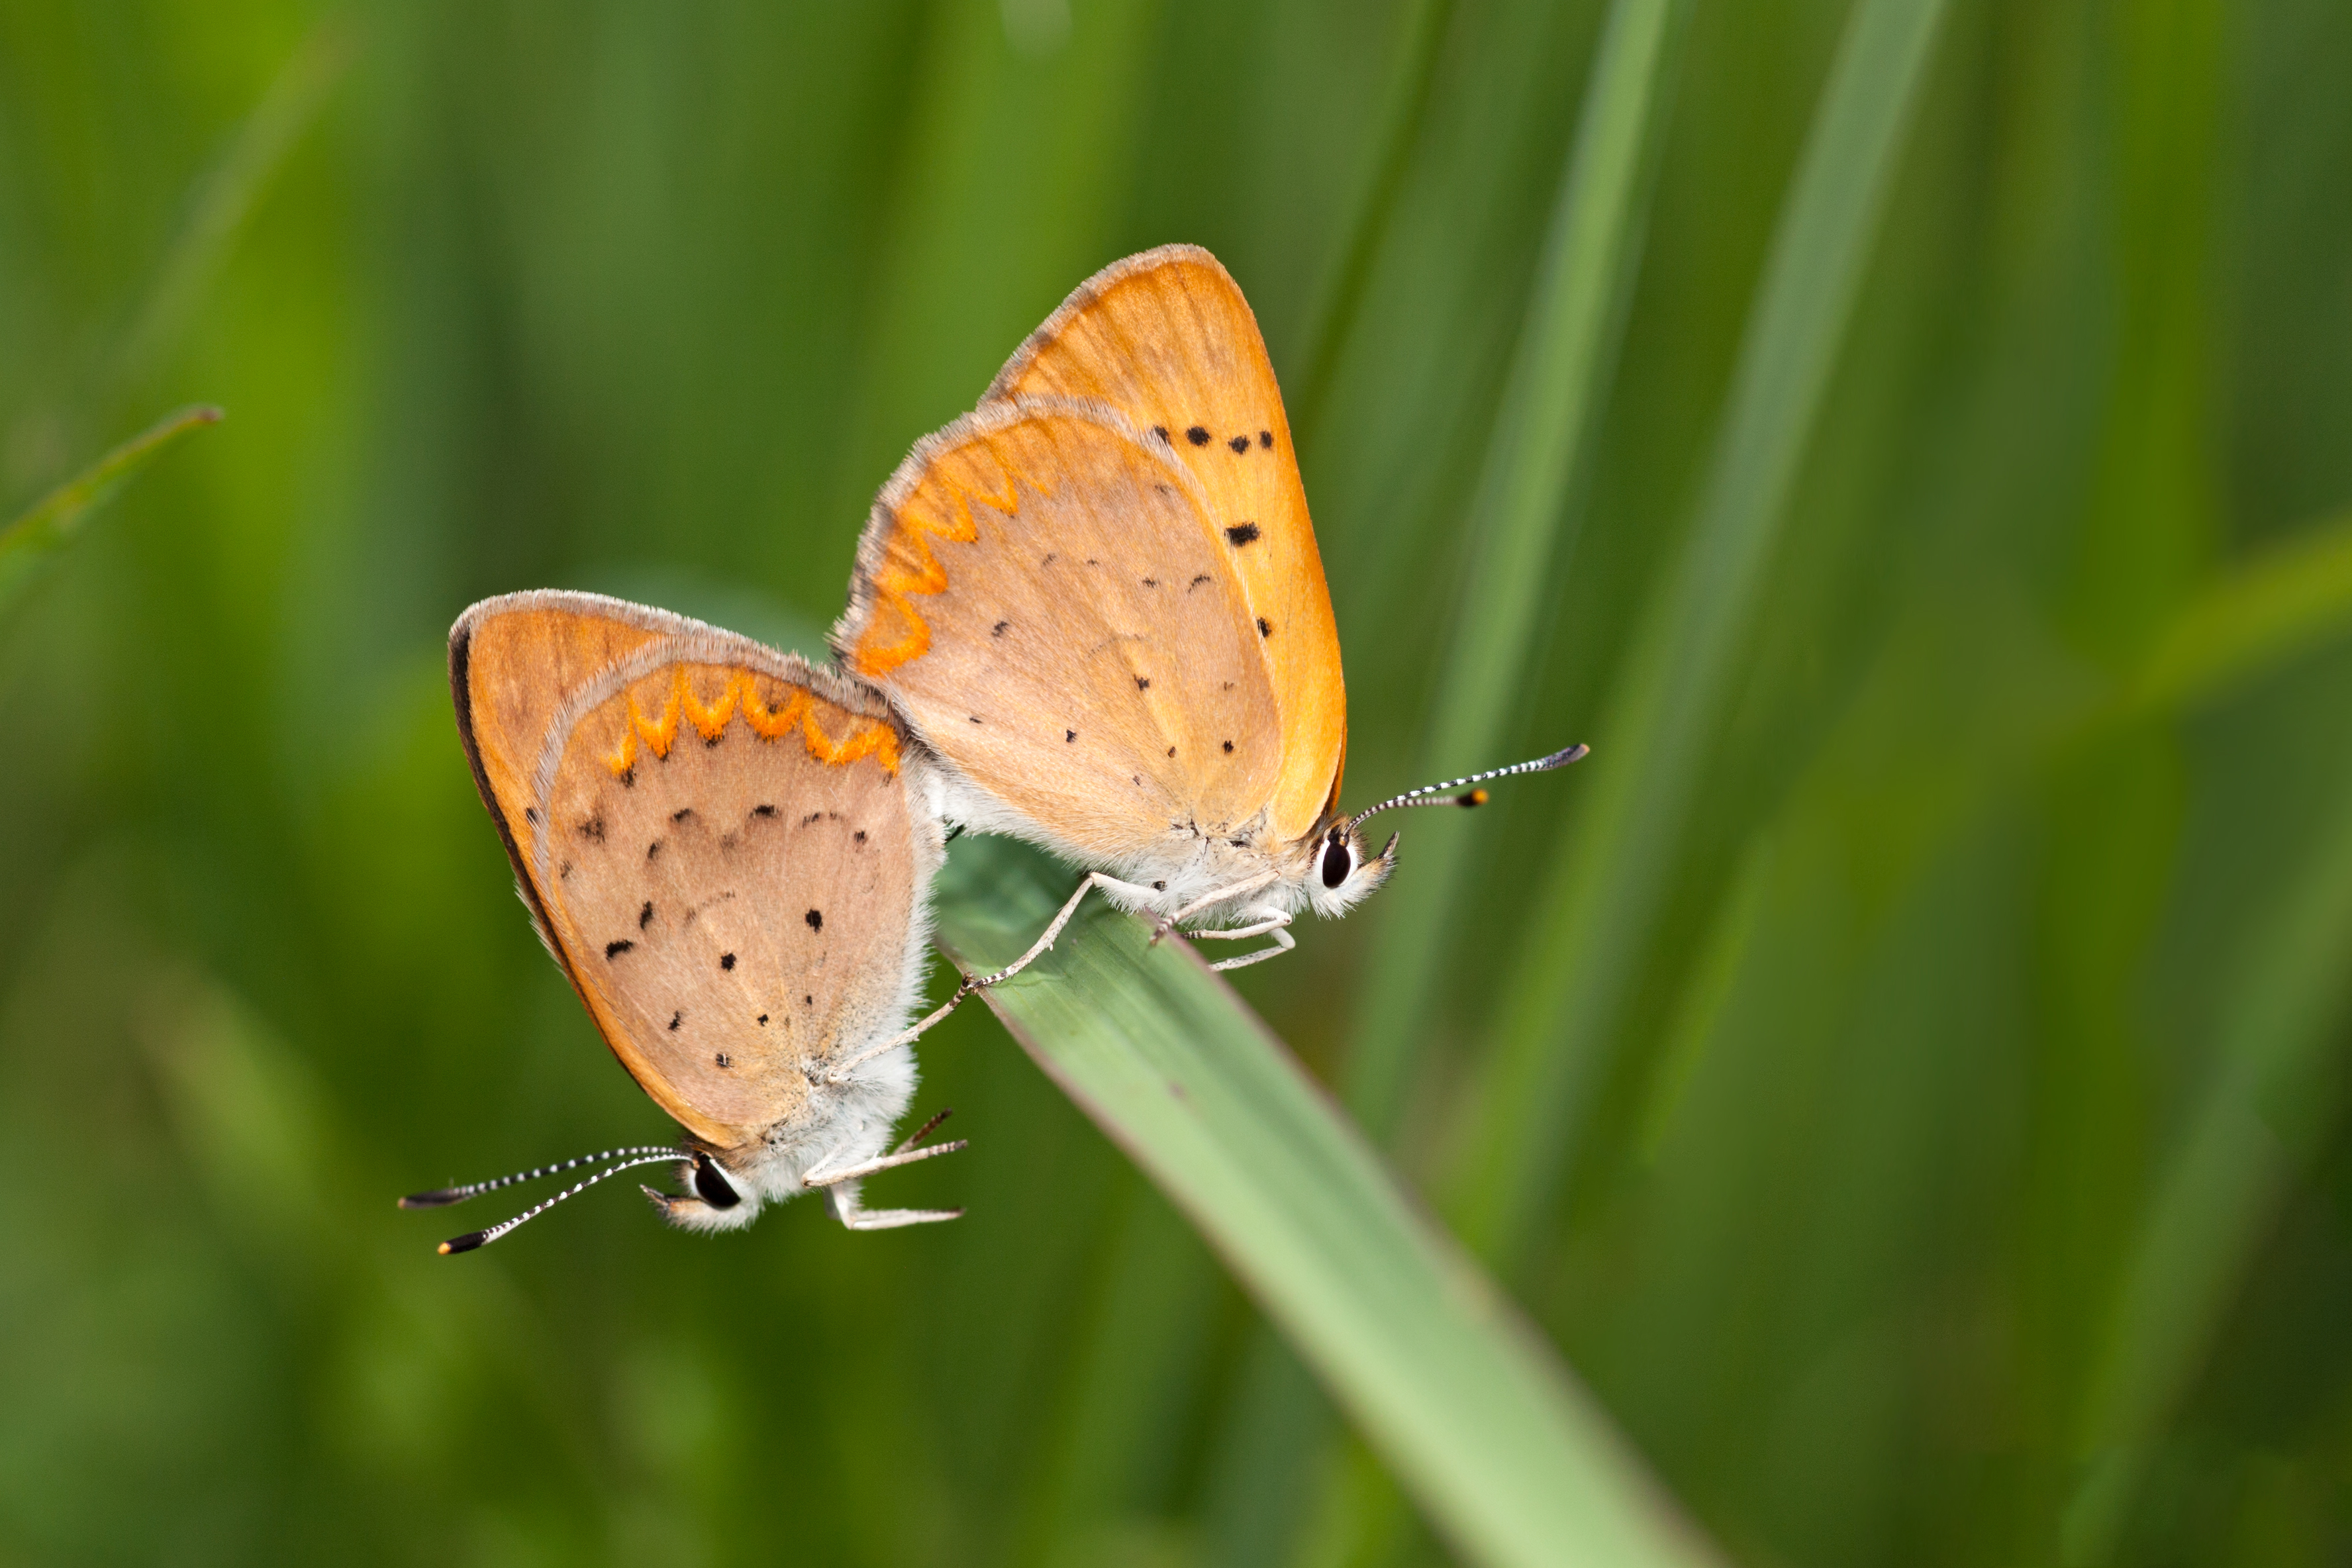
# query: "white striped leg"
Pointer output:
{"type": "Point", "coordinates": [840, 1074]}
{"type": "Point", "coordinates": [1212, 898]}
{"type": "Point", "coordinates": [1045, 944]}
{"type": "Point", "coordinates": [854, 1217]}
{"type": "Point", "coordinates": [823, 1178]}
{"type": "Point", "coordinates": [1264, 923]}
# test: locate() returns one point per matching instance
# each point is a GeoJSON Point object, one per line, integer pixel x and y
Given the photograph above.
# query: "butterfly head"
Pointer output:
{"type": "Point", "coordinates": [1344, 871]}
{"type": "Point", "coordinates": [713, 1200]}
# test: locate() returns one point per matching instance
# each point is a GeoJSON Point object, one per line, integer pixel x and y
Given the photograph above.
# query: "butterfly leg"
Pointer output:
{"type": "Point", "coordinates": [1216, 896]}
{"type": "Point", "coordinates": [1263, 922]}
{"type": "Point", "coordinates": [821, 1177]}
{"type": "Point", "coordinates": [1045, 944]}
{"type": "Point", "coordinates": [854, 1217]}
{"type": "Point", "coordinates": [840, 1073]}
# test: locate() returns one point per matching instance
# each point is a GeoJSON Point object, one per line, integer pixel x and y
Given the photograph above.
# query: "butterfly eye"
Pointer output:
{"type": "Point", "coordinates": [712, 1185]}
{"type": "Point", "coordinates": [1336, 863]}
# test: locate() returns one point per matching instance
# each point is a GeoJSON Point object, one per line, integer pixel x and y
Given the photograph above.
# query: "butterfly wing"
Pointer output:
{"type": "Point", "coordinates": [718, 842]}
{"type": "Point", "coordinates": [1166, 339]}
{"type": "Point", "coordinates": [1041, 591]}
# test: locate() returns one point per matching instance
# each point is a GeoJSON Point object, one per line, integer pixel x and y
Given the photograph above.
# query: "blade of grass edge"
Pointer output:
{"type": "Point", "coordinates": [2211, 1206]}
{"type": "Point", "coordinates": [1521, 518]}
{"type": "Point", "coordinates": [1562, 1009]}
{"type": "Point", "coordinates": [1513, 1463]}
{"type": "Point", "coordinates": [2288, 599]}
{"type": "Point", "coordinates": [229, 190]}
{"type": "Point", "coordinates": [42, 528]}
{"type": "Point", "coordinates": [1523, 522]}
{"type": "Point", "coordinates": [1421, 40]}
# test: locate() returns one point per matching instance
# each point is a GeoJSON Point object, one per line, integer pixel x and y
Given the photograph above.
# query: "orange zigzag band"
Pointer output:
{"type": "Point", "coordinates": [866, 737]}
{"type": "Point", "coordinates": [911, 568]}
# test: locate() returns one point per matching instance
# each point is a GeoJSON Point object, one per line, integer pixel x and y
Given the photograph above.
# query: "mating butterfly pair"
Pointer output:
{"type": "Point", "coordinates": [1090, 614]}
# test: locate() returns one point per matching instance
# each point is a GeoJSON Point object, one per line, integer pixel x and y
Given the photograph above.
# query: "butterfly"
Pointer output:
{"type": "Point", "coordinates": [1097, 600]}
{"type": "Point", "coordinates": [729, 852]}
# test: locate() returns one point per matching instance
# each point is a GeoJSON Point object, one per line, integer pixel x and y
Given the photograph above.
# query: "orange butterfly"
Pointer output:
{"type": "Point", "coordinates": [1096, 599]}
{"type": "Point", "coordinates": [729, 854]}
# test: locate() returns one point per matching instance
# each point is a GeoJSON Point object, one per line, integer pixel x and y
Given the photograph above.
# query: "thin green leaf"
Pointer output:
{"type": "Point", "coordinates": [1522, 523]}
{"type": "Point", "coordinates": [50, 523]}
{"type": "Point", "coordinates": [1521, 518]}
{"type": "Point", "coordinates": [2221, 1186]}
{"type": "Point", "coordinates": [1561, 1015]}
{"type": "Point", "coordinates": [1420, 39]}
{"type": "Point", "coordinates": [227, 194]}
{"type": "Point", "coordinates": [1485, 1429]}
{"type": "Point", "coordinates": [2285, 602]}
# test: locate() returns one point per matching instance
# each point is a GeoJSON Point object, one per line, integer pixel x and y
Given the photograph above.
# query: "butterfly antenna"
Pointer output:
{"type": "Point", "coordinates": [472, 1239]}
{"type": "Point", "coordinates": [1442, 794]}
{"type": "Point", "coordinates": [440, 1197]}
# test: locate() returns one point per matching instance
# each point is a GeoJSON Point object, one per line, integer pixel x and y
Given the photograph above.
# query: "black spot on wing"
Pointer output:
{"type": "Point", "coordinates": [726, 961]}
{"type": "Point", "coordinates": [681, 814]}
{"type": "Point", "coordinates": [675, 1020]}
{"type": "Point", "coordinates": [1196, 582]}
{"type": "Point", "coordinates": [859, 835]}
{"type": "Point", "coordinates": [653, 850]}
{"type": "Point", "coordinates": [614, 949]}
{"type": "Point", "coordinates": [1265, 438]}
{"type": "Point", "coordinates": [815, 919]}
{"type": "Point", "coordinates": [1069, 735]}
{"type": "Point", "coordinates": [531, 814]}
{"type": "Point", "coordinates": [646, 915]}
{"type": "Point", "coordinates": [1161, 431]}
{"type": "Point", "coordinates": [1240, 444]}
{"type": "Point", "coordinates": [723, 1059]}
{"type": "Point", "coordinates": [1263, 628]}
{"type": "Point", "coordinates": [1241, 533]}
{"type": "Point", "coordinates": [1198, 435]}
{"type": "Point", "coordinates": [998, 629]}
{"type": "Point", "coordinates": [1143, 683]}
{"type": "Point", "coordinates": [1229, 745]}
{"type": "Point", "coordinates": [763, 811]}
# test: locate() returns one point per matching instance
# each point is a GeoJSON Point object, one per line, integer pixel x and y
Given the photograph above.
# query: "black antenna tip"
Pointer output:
{"type": "Point", "coordinates": [437, 1198]}
{"type": "Point", "coordinates": [465, 1243]}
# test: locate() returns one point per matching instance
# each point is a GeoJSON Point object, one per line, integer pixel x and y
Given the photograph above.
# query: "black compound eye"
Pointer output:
{"type": "Point", "coordinates": [713, 1186]}
{"type": "Point", "coordinates": [1336, 863]}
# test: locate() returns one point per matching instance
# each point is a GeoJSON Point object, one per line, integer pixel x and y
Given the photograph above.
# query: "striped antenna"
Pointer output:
{"type": "Point", "coordinates": [441, 1197]}
{"type": "Point", "coordinates": [1442, 794]}
{"type": "Point", "coordinates": [472, 1239]}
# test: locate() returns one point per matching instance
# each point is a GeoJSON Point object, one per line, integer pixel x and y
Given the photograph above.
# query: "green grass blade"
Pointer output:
{"type": "Point", "coordinates": [229, 191]}
{"type": "Point", "coordinates": [1421, 37]}
{"type": "Point", "coordinates": [1521, 518]}
{"type": "Point", "coordinates": [2287, 601]}
{"type": "Point", "coordinates": [43, 527]}
{"type": "Point", "coordinates": [1510, 1460]}
{"type": "Point", "coordinates": [2221, 1187]}
{"type": "Point", "coordinates": [1602, 899]}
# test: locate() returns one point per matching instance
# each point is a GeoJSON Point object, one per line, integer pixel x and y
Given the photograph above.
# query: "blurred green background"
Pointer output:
{"type": "Point", "coordinates": [1967, 1179]}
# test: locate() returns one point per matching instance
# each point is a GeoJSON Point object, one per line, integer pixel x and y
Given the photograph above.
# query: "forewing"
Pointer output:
{"type": "Point", "coordinates": [1166, 339]}
{"type": "Point", "coordinates": [722, 850]}
{"type": "Point", "coordinates": [1042, 591]}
